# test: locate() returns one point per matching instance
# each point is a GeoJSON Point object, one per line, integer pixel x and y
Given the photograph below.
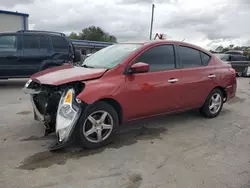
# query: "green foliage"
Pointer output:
{"type": "Point", "coordinates": [246, 53]}
{"type": "Point", "coordinates": [245, 49]}
{"type": "Point", "coordinates": [73, 35]}
{"type": "Point", "coordinates": [93, 33]}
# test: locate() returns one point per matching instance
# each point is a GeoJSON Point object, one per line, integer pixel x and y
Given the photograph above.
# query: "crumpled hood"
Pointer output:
{"type": "Point", "coordinates": [66, 74]}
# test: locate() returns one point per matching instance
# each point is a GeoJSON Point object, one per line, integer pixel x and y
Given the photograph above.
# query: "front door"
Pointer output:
{"type": "Point", "coordinates": [157, 91]}
{"type": "Point", "coordinates": [35, 50]}
{"type": "Point", "coordinates": [9, 54]}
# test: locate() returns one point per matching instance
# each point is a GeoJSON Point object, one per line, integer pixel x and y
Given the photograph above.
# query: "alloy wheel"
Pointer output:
{"type": "Point", "coordinates": [215, 103]}
{"type": "Point", "coordinates": [98, 126]}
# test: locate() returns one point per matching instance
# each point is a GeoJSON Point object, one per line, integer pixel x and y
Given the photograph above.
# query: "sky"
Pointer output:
{"type": "Point", "coordinates": [207, 23]}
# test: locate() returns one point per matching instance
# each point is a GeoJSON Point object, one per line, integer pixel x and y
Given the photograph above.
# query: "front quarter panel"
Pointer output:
{"type": "Point", "coordinates": [95, 90]}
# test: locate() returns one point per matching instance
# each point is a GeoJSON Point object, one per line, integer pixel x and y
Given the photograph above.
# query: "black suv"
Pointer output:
{"type": "Point", "coordinates": [26, 52]}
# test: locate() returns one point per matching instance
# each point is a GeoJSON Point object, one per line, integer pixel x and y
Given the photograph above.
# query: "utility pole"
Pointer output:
{"type": "Point", "coordinates": [152, 20]}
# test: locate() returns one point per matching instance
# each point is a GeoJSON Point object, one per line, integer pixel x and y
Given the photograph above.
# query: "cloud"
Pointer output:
{"type": "Point", "coordinates": [11, 3]}
{"type": "Point", "coordinates": [200, 22]}
{"type": "Point", "coordinates": [146, 2]}
{"type": "Point", "coordinates": [247, 43]}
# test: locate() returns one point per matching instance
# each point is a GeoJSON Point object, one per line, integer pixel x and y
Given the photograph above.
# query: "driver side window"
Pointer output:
{"type": "Point", "coordinates": [8, 43]}
{"type": "Point", "coordinates": [159, 58]}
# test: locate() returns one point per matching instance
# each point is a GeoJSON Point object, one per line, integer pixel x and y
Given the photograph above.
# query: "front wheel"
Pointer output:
{"type": "Point", "coordinates": [97, 125]}
{"type": "Point", "coordinates": [213, 104]}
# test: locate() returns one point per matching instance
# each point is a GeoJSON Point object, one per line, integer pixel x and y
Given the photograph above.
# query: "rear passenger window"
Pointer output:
{"type": "Point", "coordinates": [43, 43]}
{"type": "Point", "coordinates": [189, 57]}
{"type": "Point", "coordinates": [159, 58]}
{"type": "Point", "coordinates": [205, 58]}
{"type": "Point", "coordinates": [30, 42]}
{"type": "Point", "coordinates": [60, 44]}
{"type": "Point", "coordinates": [35, 43]}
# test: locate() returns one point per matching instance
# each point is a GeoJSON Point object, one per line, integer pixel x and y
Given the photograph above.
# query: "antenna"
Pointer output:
{"type": "Point", "coordinates": [182, 40]}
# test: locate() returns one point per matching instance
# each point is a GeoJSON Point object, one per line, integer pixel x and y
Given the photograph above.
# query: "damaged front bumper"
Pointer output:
{"type": "Point", "coordinates": [60, 117]}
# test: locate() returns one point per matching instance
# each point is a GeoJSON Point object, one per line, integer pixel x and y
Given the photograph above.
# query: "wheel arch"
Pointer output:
{"type": "Point", "coordinates": [116, 105]}
{"type": "Point", "coordinates": [223, 90]}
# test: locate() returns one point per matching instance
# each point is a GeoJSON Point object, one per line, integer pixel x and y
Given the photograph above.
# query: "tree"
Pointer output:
{"type": "Point", "coordinates": [245, 49]}
{"type": "Point", "coordinates": [93, 33]}
{"type": "Point", "coordinates": [231, 46]}
{"type": "Point", "coordinates": [74, 35]}
{"type": "Point", "coordinates": [219, 49]}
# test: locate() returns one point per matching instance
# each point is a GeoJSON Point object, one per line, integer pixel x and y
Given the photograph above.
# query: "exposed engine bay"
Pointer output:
{"type": "Point", "coordinates": [53, 103]}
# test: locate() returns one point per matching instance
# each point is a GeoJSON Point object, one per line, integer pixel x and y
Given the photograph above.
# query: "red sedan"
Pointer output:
{"type": "Point", "coordinates": [126, 82]}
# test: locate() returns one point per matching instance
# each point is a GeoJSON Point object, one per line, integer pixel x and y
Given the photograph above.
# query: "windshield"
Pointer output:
{"type": "Point", "coordinates": [110, 56]}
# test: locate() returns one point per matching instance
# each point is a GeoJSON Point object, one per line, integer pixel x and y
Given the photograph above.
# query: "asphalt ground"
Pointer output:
{"type": "Point", "coordinates": [181, 150]}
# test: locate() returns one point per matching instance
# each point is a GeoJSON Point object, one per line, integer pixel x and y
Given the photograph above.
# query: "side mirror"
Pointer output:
{"type": "Point", "coordinates": [77, 55]}
{"type": "Point", "coordinates": [138, 68]}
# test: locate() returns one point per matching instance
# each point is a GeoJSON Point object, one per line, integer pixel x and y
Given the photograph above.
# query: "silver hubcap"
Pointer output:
{"type": "Point", "coordinates": [215, 103]}
{"type": "Point", "coordinates": [98, 126]}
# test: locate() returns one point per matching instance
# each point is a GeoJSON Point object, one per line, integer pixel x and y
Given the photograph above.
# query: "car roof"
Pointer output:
{"type": "Point", "coordinates": [34, 32]}
{"type": "Point", "coordinates": [160, 42]}
{"type": "Point", "coordinates": [235, 51]}
{"type": "Point", "coordinates": [4, 33]}
{"type": "Point", "coordinates": [166, 42]}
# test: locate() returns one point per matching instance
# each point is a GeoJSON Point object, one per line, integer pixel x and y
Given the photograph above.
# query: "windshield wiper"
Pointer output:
{"type": "Point", "coordinates": [86, 66]}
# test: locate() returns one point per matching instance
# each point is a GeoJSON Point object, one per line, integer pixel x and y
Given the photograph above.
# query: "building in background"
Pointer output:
{"type": "Point", "coordinates": [13, 21]}
{"type": "Point", "coordinates": [89, 47]}
{"type": "Point", "coordinates": [16, 21]}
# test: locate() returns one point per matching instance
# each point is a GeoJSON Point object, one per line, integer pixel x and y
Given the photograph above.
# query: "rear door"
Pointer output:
{"type": "Point", "coordinates": [35, 49]}
{"type": "Point", "coordinates": [197, 76]}
{"type": "Point", "coordinates": [157, 91]}
{"type": "Point", "coordinates": [9, 54]}
{"type": "Point", "coordinates": [61, 48]}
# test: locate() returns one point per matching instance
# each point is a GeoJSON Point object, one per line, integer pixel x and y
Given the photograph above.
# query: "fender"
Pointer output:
{"type": "Point", "coordinates": [95, 90]}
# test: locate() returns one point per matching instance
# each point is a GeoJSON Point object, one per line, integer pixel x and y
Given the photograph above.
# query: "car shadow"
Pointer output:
{"type": "Point", "coordinates": [129, 134]}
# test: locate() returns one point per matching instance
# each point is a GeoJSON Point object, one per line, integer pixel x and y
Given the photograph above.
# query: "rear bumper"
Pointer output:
{"type": "Point", "coordinates": [231, 91]}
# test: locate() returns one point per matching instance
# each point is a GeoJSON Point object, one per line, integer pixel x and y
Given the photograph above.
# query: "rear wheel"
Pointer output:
{"type": "Point", "coordinates": [213, 104]}
{"type": "Point", "coordinates": [97, 125]}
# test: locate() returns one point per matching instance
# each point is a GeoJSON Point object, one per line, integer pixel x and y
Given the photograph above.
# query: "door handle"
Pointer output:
{"type": "Point", "coordinates": [211, 76]}
{"type": "Point", "coordinates": [172, 80]}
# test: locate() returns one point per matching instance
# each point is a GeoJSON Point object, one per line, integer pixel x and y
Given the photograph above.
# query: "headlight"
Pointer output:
{"type": "Point", "coordinates": [67, 114]}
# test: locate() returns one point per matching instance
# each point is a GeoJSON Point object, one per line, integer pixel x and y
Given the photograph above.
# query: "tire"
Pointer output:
{"type": "Point", "coordinates": [84, 125]}
{"type": "Point", "coordinates": [205, 109]}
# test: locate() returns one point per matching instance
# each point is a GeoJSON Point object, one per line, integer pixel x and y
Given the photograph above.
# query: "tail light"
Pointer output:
{"type": "Point", "coordinates": [232, 70]}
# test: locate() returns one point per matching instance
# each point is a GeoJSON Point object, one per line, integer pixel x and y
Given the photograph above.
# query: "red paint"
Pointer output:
{"type": "Point", "coordinates": [65, 74]}
{"type": "Point", "coordinates": [147, 94]}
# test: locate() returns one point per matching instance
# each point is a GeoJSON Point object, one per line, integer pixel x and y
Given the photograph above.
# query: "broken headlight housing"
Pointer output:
{"type": "Point", "coordinates": [67, 114]}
